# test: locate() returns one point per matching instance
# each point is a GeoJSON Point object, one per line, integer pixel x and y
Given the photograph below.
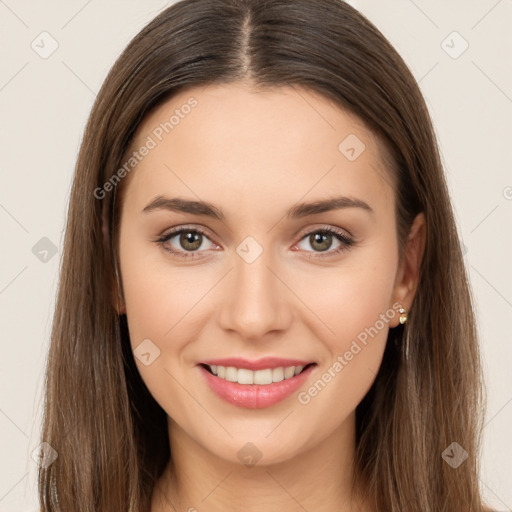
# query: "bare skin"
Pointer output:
{"type": "Point", "coordinates": [254, 155]}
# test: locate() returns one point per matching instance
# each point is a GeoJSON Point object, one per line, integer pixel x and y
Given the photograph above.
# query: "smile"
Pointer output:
{"type": "Point", "coordinates": [258, 388]}
{"type": "Point", "coordinates": [262, 377]}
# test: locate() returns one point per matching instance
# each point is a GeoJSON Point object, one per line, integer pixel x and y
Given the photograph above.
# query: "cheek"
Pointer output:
{"type": "Point", "coordinates": [351, 296]}
{"type": "Point", "coordinates": [357, 312]}
{"type": "Point", "coordinates": [157, 304]}
{"type": "Point", "coordinates": [354, 301]}
{"type": "Point", "coordinates": [157, 294]}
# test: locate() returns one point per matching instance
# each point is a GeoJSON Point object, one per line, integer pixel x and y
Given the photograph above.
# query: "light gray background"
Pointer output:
{"type": "Point", "coordinates": [44, 104]}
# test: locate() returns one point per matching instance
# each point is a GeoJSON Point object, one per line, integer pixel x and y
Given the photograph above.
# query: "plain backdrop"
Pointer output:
{"type": "Point", "coordinates": [459, 51]}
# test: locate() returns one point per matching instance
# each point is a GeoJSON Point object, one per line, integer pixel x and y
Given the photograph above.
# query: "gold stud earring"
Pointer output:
{"type": "Point", "coordinates": [403, 315]}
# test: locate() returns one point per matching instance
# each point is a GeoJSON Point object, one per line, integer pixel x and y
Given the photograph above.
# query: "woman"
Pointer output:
{"type": "Point", "coordinates": [263, 303]}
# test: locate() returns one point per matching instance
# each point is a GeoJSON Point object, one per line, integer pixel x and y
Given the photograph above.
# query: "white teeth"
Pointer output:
{"type": "Point", "coordinates": [278, 374]}
{"type": "Point", "coordinates": [261, 377]}
{"type": "Point", "coordinates": [289, 371]}
{"type": "Point", "coordinates": [245, 376]}
{"type": "Point", "coordinates": [231, 374]}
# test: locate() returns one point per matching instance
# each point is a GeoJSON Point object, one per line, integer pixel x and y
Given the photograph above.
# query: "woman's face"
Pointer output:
{"type": "Point", "coordinates": [255, 274]}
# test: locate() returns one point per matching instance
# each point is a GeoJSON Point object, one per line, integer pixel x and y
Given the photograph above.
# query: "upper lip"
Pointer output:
{"type": "Point", "coordinates": [259, 364]}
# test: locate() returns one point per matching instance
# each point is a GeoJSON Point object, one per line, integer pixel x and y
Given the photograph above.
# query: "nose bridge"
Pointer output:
{"type": "Point", "coordinates": [254, 302]}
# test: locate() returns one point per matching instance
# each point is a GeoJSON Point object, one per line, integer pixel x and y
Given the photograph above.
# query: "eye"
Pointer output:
{"type": "Point", "coordinates": [322, 240]}
{"type": "Point", "coordinates": [188, 240]}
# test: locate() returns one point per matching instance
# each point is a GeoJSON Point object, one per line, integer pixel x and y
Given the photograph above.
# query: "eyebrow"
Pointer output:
{"type": "Point", "coordinates": [295, 212]}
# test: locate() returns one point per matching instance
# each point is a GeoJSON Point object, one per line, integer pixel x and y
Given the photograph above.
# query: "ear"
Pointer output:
{"type": "Point", "coordinates": [115, 286]}
{"type": "Point", "coordinates": [408, 273]}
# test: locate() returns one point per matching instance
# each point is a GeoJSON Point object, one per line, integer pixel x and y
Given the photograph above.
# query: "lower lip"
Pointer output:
{"type": "Point", "coordinates": [255, 396]}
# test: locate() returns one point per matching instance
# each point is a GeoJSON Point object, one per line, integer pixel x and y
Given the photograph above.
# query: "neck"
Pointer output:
{"type": "Point", "coordinates": [317, 479]}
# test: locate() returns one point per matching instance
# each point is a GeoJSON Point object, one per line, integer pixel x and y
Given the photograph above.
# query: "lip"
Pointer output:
{"type": "Point", "coordinates": [254, 396]}
{"type": "Point", "coordinates": [259, 364]}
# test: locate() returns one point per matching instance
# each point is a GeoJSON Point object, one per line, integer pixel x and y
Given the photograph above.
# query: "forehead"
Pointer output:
{"type": "Point", "coordinates": [277, 145]}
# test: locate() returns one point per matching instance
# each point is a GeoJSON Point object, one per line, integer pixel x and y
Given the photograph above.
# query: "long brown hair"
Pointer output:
{"type": "Point", "coordinates": [110, 435]}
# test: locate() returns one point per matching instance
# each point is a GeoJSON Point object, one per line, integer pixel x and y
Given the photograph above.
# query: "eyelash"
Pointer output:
{"type": "Point", "coordinates": [346, 241]}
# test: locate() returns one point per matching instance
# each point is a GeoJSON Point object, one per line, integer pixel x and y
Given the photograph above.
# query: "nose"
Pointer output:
{"type": "Point", "coordinates": [255, 300]}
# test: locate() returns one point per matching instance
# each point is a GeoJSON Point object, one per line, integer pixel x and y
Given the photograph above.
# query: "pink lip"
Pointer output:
{"type": "Point", "coordinates": [255, 396]}
{"type": "Point", "coordinates": [260, 364]}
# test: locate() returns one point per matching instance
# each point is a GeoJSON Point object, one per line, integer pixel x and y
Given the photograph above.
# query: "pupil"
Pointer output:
{"type": "Point", "coordinates": [324, 239]}
{"type": "Point", "coordinates": [192, 239]}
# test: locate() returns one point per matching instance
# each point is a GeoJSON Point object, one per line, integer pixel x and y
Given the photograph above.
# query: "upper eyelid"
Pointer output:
{"type": "Point", "coordinates": [336, 231]}
{"type": "Point", "coordinates": [202, 229]}
{"type": "Point", "coordinates": [178, 229]}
